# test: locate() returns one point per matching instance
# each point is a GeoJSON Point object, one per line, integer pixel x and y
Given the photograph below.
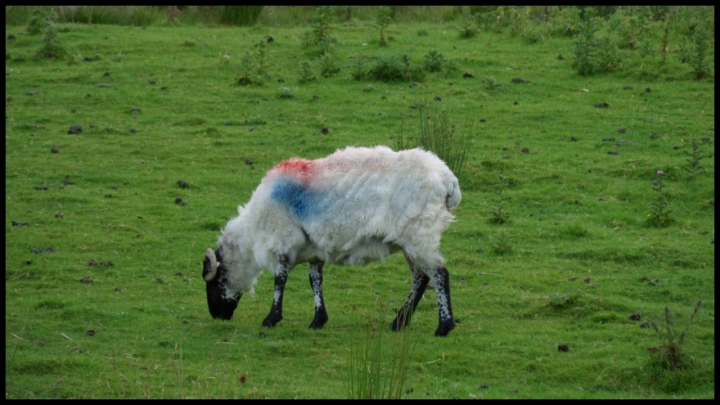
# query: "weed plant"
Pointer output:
{"type": "Point", "coordinates": [329, 63]}
{"type": "Point", "coordinates": [246, 69]}
{"type": "Point", "coordinates": [692, 165]}
{"type": "Point", "coordinates": [499, 215]}
{"type": "Point", "coordinates": [306, 74]}
{"type": "Point", "coordinates": [660, 213]}
{"type": "Point", "coordinates": [261, 57]}
{"type": "Point", "coordinates": [670, 353]}
{"type": "Point", "coordinates": [491, 86]}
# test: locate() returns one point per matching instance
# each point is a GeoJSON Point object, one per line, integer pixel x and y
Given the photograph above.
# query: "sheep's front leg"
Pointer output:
{"type": "Point", "coordinates": [441, 279]}
{"type": "Point", "coordinates": [316, 279]}
{"type": "Point", "coordinates": [419, 284]}
{"type": "Point", "coordinates": [281, 274]}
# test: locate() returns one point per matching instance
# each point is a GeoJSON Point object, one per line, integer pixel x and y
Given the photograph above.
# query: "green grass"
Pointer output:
{"type": "Point", "coordinates": [574, 211]}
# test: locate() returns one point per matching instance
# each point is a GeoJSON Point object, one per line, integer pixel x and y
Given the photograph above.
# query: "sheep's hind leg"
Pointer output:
{"type": "Point", "coordinates": [419, 284]}
{"type": "Point", "coordinates": [281, 274]}
{"type": "Point", "coordinates": [441, 279]}
{"type": "Point", "coordinates": [316, 280]}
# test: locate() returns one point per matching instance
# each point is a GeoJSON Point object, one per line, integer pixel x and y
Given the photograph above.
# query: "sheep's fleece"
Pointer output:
{"type": "Point", "coordinates": [352, 207]}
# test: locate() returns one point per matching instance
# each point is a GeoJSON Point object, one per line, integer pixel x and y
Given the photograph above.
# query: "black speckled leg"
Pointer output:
{"type": "Point", "coordinates": [419, 284]}
{"type": "Point", "coordinates": [441, 279]}
{"type": "Point", "coordinates": [316, 279]}
{"type": "Point", "coordinates": [281, 274]}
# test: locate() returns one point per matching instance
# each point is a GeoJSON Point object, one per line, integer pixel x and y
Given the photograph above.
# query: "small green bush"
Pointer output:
{"type": "Point", "coordinates": [502, 244]}
{"type": "Point", "coordinates": [306, 74]}
{"type": "Point", "coordinates": [433, 61]}
{"type": "Point", "coordinates": [51, 47]}
{"type": "Point", "coordinates": [499, 215]}
{"type": "Point", "coordinates": [389, 68]}
{"type": "Point", "coordinates": [383, 18]}
{"type": "Point", "coordinates": [699, 58]}
{"type": "Point", "coordinates": [317, 40]}
{"type": "Point", "coordinates": [358, 70]}
{"type": "Point", "coordinates": [38, 22]}
{"type": "Point", "coordinates": [285, 93]}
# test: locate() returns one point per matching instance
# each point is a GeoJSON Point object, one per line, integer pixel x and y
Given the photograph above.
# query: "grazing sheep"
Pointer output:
{"type": "Point", "coordinates": [352, 207]}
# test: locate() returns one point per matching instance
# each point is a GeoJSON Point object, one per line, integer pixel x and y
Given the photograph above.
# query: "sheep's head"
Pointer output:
{"type": "Point", "coordinates": [221, 301]}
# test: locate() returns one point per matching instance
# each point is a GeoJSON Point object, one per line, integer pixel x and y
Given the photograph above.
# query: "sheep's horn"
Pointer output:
{"type": "Point", "coordinates": [210, 265]}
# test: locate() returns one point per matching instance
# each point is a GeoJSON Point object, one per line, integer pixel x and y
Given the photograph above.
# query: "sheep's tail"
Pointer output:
{"type": "Point", "coordinates": [453, 196]}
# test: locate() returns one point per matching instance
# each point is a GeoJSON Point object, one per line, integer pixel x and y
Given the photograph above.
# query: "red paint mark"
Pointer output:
{"type": "Point", "coordinates": [296, 167]}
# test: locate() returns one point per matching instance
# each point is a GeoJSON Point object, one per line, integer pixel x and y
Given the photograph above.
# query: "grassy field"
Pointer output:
{"type": "Point", "coordinates": [117, 309]}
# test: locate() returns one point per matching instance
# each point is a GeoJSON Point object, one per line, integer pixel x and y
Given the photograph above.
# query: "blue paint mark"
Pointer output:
{"type": "Point", "coordinates": [295, 196]}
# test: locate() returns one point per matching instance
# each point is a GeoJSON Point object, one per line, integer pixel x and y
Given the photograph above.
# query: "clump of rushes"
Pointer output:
{"type": "Point", "coordinates": [377, 365]}
{"type": "Point", "coordinates": [660, 215]}
{"type": "Point", "coordinates": [670, 353]}
{"type": "Point", "coordinates": [438, 135]}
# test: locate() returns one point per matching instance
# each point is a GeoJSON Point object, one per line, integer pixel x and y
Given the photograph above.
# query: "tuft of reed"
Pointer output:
{"type": "Point", "coordinates": [436, 133]}
{"type": "Point", "coordinates": [377, 365]}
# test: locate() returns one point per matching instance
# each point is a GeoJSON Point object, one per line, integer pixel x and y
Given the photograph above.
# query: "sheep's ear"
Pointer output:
{"type": "Point", "coordinates": [210, 265]}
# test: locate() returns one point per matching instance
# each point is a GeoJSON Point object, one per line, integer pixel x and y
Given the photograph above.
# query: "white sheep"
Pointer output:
{"type": "Point", "coordinates": [352, 207]}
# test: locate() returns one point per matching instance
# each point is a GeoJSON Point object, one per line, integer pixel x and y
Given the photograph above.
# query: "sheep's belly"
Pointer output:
{"type": "Point", "coordinates": [370, 250]}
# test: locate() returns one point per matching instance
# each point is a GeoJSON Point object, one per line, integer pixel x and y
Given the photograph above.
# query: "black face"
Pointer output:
{"type": "Point", "coordinates": [219, 306]}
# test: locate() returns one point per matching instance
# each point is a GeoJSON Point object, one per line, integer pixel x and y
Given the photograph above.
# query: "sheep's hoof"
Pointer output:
{"type": "Point", "coordinates": [445, 327]}
{"type": "Point", "coordinates": [318, 323]}
{"type": "Point", "coordinates": [271, 321]}
{"type": "Point", "coordinates": [401, 321]}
